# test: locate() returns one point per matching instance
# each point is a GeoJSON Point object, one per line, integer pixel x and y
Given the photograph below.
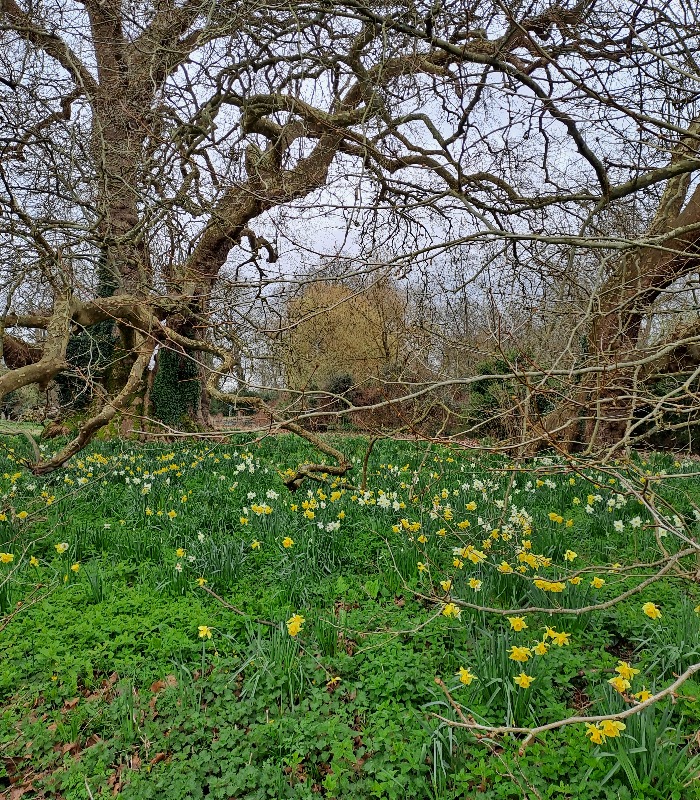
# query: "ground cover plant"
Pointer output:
{"type": "Point", "coordinates": [176, 623]}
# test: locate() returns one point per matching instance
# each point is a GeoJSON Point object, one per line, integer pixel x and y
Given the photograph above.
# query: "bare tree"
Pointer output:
{"type": "Point", "coordinates": [156, 154]}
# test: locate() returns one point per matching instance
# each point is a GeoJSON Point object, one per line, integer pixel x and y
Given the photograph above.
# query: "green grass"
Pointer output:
{"type": "Point", "coordinates": [10, 428]}
{"type": "Point", "coordinates": [107, 688]}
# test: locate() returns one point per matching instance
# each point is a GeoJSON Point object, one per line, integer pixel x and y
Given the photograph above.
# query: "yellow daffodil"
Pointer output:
{"type": "Point", "coordinates": [446, 585]}
{"type": "Point", "coordinates": [34, 561]}
{"type": "Point", "coordinates": [294, 624]}
{"type": "Point", "coordinates": [451, 610]}
{"type": "Point", "coordinates": [612, 728]}
{"type": "Point", "coordinates": [561, 638]}
{"type": "Point", "coordinates": [624, 670]}
{"type": "Point", "coordinates": [595, 733]}
{"type": "Point", "coordinates": [255, 544]}
{"type": "Point", "coordinates": [61, 547]}
{"type": "Point", "coordinates": [619, 684]}
{"type": "Point", "coordinates": [523, 680]}
{"type": "Point", "coordinates": [505, 568]}
{"type": "Point", "coordinates": [520, 653]}
{"type": "Point", "coordinates": [465, 676]}
{"type": "Point", "coordinates": [597, 583]}
{"type": "Point", "coordinates": [517, 623]}
{"type": "Point", "coordinates": [287, 542]}
{"type": "Point", "coordinates": [643, 696]}
{"type": "Point", "coordinates": [201, 582]}
{"type": "Point", "coordinates": [651, 610]}
{"type": "Point", "coordinates": [570, 555]}
{"type": "Point", "coordinates": [475, 584]}
{"type": "Point", "coordinates": [6, 558]}
{"type": "Point", "coordinates": [204, 632]}
{"type": "Point", "coordinates": [75, 567]}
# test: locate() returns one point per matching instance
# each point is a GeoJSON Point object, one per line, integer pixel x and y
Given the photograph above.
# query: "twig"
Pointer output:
{"type": "Point", "coordinates": [228, 606]}
{"type": "Point", "coordinates": [532, 733]}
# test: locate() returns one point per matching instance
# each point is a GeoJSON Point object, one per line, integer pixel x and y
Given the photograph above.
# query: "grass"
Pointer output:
{"type": "Point", "coordinates": [10, 428]}
{"type": "Point", "coordinates": [106, 687]}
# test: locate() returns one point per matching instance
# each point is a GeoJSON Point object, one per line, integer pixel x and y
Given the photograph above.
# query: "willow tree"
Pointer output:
{"type": "Point", "coordinates": [149, 148]}
{"type": "Point", "coordinates": [336, 334]}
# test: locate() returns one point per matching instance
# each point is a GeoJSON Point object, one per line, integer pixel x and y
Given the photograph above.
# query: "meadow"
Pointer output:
{"type": "Point", "coordinates": [175, 623]}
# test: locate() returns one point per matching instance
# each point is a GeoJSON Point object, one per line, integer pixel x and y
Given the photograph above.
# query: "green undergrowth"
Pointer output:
{"type": "Point", "coordinates": [127, 560]}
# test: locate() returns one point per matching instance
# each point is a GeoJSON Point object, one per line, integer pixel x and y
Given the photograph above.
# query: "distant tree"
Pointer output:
{"type": "Point", "coordinates": [337, 337]}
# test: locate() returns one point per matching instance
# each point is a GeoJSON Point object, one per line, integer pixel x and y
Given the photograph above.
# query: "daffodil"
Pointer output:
{"type": "Point", "coordinates": [560, 638]}
{"type": "Point", "coordinates": [651, 610]}
{"type": "Point", "coordinates": [201, 582]}
{"type": "Point", "coordinates": [451, 610]}
{"type": "Point", "coordinates": [446, 585]}
{"type": "Point", "coordinates": [570, 555]}
{"type": "Point", "coordinates": [541, 648]}
{"type": "Point", "coordinates": [612, 728]}
{"type": "Point", "coordinates": [523, 680]}
{"type": "Point", "coordinates": [75, 567]}
{"type": "Point", "coordinates": [643, 696]}
{"type": "Point", "coordinates": [517, 623]}
{"type": "Point", "coordinates": [204, 632]}
{"type": "Point", "coordinates": [255, 545]}
{"type": "Point", "coordinates": [597, 583]}
{"type": "Point", "coordinates": [294, 624]}
{"type": "Point", "coordinates": [620, 684]}
{"type": "Point", "coordinates": [61, 547]}
{"type": "Point", "coordinates": [6, 558]}
{"type": "Point", "coordinates": [287, 542]}
{"type": "Point", "coordinates": [520, 653]}
{"type": "Point", "coordinates": [34, 561]}
{"type": "Point", "coordinates": [624, 670]}
{"type": "Point", "coordinates": [595, 733]}
{"type": "Point", "coordinates": [475, 584]}
{"type": "Point", "coordinates": [465, 676]}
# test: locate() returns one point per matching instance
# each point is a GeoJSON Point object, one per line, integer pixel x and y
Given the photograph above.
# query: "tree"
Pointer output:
{"type": "Point", "coordinates": [152, 152]}
{"type": "Point", "coordinates": [334, 331]}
